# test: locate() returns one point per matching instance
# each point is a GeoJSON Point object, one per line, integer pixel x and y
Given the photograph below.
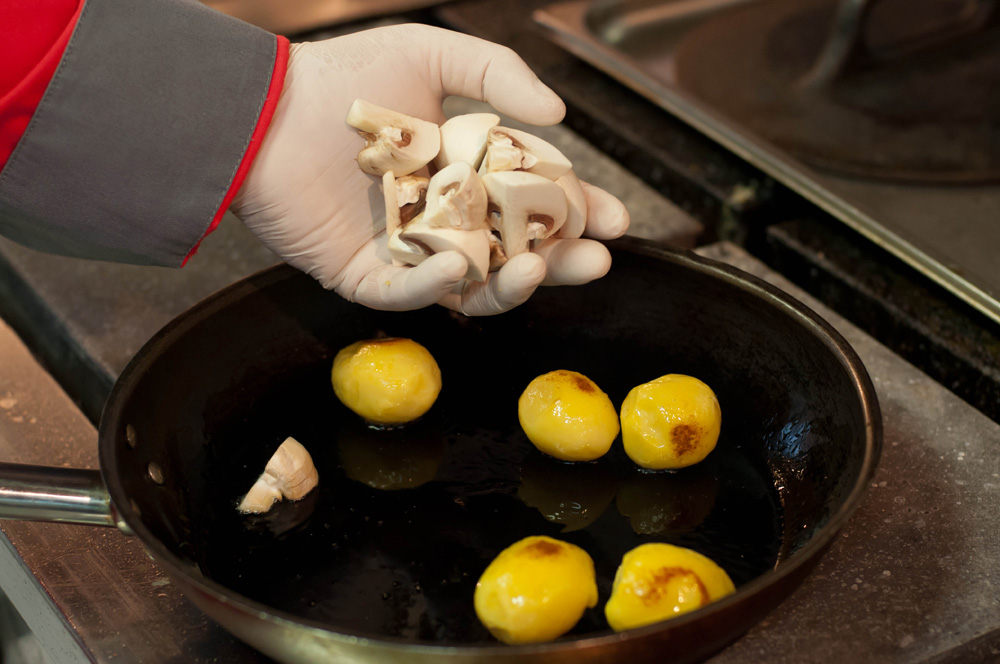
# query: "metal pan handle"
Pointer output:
{"type": "Point", "coordinates": [65, 495]}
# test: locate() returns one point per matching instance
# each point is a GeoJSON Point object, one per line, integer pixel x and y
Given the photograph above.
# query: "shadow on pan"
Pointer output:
{"type": "Point", "coordinates": [380, 561]}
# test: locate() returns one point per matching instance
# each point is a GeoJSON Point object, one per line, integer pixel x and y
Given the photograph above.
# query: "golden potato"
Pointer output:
{"type": "Point", "coordinates": [567, 416]}
{"type": "Point", "coordinates": [536, 590]}
{"type": "Point", "coordinates": [386, 381]}
{"type": "Point", "coordinates": [659, 581]}
{"type": "Point", "coordinates": [671, 422]}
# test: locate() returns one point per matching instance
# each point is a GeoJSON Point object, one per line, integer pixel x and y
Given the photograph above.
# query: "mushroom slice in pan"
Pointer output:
{"type": "Point", "coordinates": [456, 198]}
{"type": "Point", "coordinates": [524, 207]}
{"type": "Point", "coordinates": [515, 150]}
{"type": "Point", "coordinates": [463, 139]}
{"type": "Point", "coordinates": [289, 473]}
{"type": "Point", "coordinates": [394, 141]}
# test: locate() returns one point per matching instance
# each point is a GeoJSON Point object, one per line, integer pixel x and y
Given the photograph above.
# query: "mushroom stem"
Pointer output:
{"type": "Point", "coordinates": [524, 207]}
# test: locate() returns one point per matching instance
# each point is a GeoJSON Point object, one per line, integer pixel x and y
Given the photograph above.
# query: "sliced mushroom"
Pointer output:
{"type": "Point", "coordinates": [576, 206]}
{"type": "Point", "coordinates": [497, 255]}
{"type": "Point", "coordinates": [474, 245]}
{"type": "Point", "coordinates": [404, 199]}
{"type": "Point", "coordinates": [456, 198]}
{"type": "Point", "coordinates": [463, 138]}
{"type": "Point", "coordinates": [392, 217]}
{"type": "Point", "coordinates": [411, 195]}
{"type": "Point", "coordinates": [289, 473]}
{"type": "Point", "coordinates": [394, 141]}
{"type": "Point", "coordinates": [485, 177]}
{"type": "Point", "coordinates": [406, 253]}
{"type": "Point", "coordinates": [524, 207]}
{"type": "Point", "coordinates": [515, 150]}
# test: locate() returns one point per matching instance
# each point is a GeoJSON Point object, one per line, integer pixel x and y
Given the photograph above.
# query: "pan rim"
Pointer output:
{"type": "Point", "coordinates": [805, 555]}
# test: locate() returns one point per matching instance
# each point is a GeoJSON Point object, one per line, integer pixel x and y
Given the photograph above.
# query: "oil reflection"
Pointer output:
{"type": "Point", "coordinates": [571, 494]}
{"type": "Point", "coordinates": [659, 502]}
{"type": "Point", "coordinates": [390, 465]}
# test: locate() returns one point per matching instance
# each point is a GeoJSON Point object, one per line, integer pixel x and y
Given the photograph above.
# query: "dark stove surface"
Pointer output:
{"type": "Point", "coordinates": [922, 117]}
{"type": "Point", "coordinates": [943, 229]}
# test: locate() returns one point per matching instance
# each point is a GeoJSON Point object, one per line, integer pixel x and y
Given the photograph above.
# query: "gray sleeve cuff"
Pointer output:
{"type": "Point", "coordinates": [139, 134]}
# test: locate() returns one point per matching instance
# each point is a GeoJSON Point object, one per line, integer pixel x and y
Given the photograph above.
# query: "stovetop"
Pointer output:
{"type": "Point", "coordinates": [735, 70]}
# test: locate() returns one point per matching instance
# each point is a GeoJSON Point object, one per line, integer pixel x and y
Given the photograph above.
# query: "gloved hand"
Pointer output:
{"type": "Point", "coordinates": [307, 200]}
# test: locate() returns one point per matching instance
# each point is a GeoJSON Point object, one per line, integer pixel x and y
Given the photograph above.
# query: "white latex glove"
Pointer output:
{"type": "Point", "coordinates": [308, 201]}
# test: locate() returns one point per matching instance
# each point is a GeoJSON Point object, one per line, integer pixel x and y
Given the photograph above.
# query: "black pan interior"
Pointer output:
{"type": "Point", "coordinates": [403, 522]}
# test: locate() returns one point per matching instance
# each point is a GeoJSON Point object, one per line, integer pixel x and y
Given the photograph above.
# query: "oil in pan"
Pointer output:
{"type": "Point", "coordinates": [404, 521]}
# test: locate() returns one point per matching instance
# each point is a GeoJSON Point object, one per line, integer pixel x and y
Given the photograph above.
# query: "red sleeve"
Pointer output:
{"type": "Point", "coordinates": [34, 35]}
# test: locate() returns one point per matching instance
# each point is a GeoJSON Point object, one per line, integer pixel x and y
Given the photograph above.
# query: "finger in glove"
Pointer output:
{"type": "Point", "coordinates": [607, 217]}
{"type": "Point", "coordinates": [477, 69]}
{"type": "Point", "coordinates": [505, 289]}
{"type": "Point", "coordinates": [392, 288]}
{"type": "Point", "coordinates": [573, 262]}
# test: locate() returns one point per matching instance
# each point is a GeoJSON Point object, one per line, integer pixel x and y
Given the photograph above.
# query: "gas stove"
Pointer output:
{"type": "Point", "coordinates": [882, 113]}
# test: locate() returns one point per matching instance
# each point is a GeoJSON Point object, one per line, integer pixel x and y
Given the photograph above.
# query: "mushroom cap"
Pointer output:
{"type": "Point", "coordinates": [463, 139]}
{"type": "Point", "coordinates": [474, 245]}
{"type": "Point", "coordinates": [512, 149]}
{"type": "Point", "coordinates": [406, 253]}
{"type": "Point", "coordinates": [456, 198]}
{"type": "Point", "coordinates": [394, 141]}
{"type": "Point", "coordinates": [290, 473]}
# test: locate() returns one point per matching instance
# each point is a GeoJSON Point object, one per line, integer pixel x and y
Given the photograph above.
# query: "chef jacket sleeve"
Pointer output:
{"type": "Point", "coordinates": [148, 118]}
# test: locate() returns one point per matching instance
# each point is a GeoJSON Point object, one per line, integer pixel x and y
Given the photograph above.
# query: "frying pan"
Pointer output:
{"type": "Point", "coordinates": [379, 563]}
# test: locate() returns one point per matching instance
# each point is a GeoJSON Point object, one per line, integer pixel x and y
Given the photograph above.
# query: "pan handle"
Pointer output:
{"type": "Point", "coordinates": [45, 493]}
